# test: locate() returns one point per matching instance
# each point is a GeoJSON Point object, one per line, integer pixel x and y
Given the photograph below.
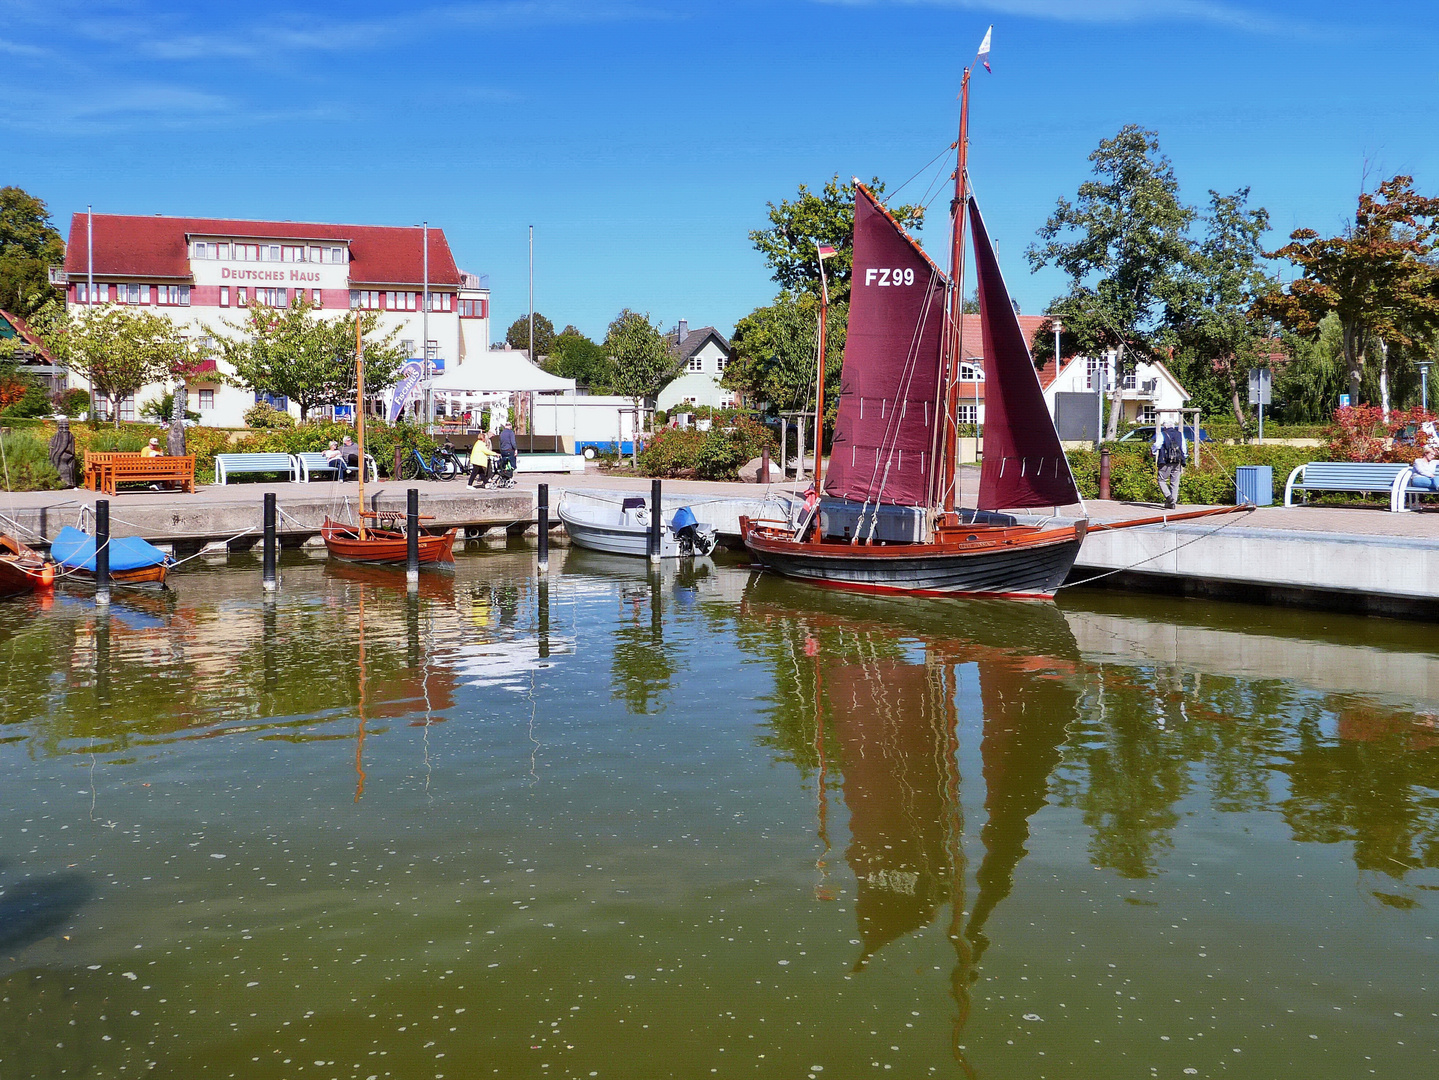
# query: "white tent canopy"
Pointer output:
{"type": "Point", "coordinates": [499, 371]}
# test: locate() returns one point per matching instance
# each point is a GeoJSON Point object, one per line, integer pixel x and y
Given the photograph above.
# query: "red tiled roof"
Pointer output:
{"type": "Point", "coordinates": [25, 334]}
{"type": "Point", "coordinates": [973, 343]}
{"type": "Point", "coordinates": [1047, 374]}
{"type": "Point", "coordinates": [154, 247]}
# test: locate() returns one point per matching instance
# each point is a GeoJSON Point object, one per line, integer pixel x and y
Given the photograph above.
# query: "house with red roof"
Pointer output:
{"type": "Point", "coordinates": [1148, 393]}
{"type": "Point", "coordinates": [202, 273]}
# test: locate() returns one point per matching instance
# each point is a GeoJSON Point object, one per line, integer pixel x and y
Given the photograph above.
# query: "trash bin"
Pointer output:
{"type": "Point", "coordinates": [1254, 484]}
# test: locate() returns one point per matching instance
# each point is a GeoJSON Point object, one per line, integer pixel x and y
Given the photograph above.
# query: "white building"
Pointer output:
{"type": "Point", "coordinates": [203, 273]}
{"type": "Point", "coordinates": [704, 354]}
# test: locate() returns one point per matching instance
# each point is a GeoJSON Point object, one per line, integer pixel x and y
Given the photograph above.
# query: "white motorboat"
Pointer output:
{"type": "Point", "coordinates": [619, 524]}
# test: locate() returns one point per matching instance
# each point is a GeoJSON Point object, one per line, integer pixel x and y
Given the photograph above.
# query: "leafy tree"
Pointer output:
{"type": "Point", "coordinates": [1218, 334]}
{"type": "Point", "coordinates": [29, 244]}
{"type": "Point", "coordinates": [643, 362]}
{"type": "Point", "coordinates": [294, 353]}
{"type": "Point", "coordinates": [1314, 373]}
{"type": "Point", "coordinates": [775, 352]}
{"type": "Point", "coordinates": [118, 350]}
{"type": "Point", "coordinates": [788, 245]}
{"type": "Point", "coordinates": [575, 356]}
{"type": "Point", "coordinates": [1123, 244]}
{"type": "Point", "coordinates": [518, 335]}
{"type": "Point", "coordinates": [1378, 277]}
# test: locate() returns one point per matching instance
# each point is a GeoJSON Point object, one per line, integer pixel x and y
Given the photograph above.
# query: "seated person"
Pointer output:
{"type": "Point", "coordinates": [1425, 468]}
{"type": "Point", "coordinates": [152, 449]}
{"type": "Point", "coordinates": [333, 451]}
{"type": "Point", "coordinates": [481, 457]}
{"type": "Point", "coordinates": [349, 454]}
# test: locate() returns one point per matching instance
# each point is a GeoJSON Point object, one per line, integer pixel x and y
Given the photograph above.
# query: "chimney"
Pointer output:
{"type": "Point", "coordinates": [683, 332]}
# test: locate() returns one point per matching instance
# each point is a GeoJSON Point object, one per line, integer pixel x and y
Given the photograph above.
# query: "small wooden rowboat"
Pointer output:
{"type": "Point", "coordinates": [385, 541]}
{"type": "Point", "coordinates": [22, 569]}
{"type": "Point", "coordinates": [133, 562]}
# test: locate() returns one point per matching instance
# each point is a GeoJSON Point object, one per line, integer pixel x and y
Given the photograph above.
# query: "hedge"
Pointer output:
{"type": "Point", "coordinates": [1132, 473]}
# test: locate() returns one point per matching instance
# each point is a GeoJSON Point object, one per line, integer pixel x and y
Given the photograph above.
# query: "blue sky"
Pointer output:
{"type": "Point", "coordinates": [643, 138]}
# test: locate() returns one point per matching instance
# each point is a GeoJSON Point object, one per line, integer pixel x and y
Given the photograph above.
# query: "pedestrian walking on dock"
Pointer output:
{"type": "Point", "coordinates": [1170, 457]}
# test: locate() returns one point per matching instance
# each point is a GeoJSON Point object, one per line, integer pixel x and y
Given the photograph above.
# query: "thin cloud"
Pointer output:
{"type": "Point", "coordinates": [136, 107]}
{"type": "Point", "coordinates": [1106, 11]}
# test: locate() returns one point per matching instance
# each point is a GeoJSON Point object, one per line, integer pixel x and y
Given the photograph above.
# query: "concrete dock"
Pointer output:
{"type": "Point", "coordinates": [1359, 559]}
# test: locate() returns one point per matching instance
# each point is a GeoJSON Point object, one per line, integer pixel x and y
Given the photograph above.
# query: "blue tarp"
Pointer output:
{"type": "Point", "coordinates": [73, 549]}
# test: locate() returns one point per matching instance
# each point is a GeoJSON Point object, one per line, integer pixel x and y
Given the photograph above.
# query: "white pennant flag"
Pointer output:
{"type": "Point", "coordinates": [983, 55]}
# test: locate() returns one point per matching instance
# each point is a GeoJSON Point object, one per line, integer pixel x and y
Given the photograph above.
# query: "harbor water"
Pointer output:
{"type": "Point", "coordinates": [704, 822]}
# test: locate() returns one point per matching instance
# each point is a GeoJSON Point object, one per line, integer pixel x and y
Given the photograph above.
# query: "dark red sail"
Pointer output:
{"type": "Point", "coordinates": [1024, 465]}
{"type": "Point", "coordinates": [884, 431]}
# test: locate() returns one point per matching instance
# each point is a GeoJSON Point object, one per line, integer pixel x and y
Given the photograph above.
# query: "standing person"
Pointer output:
{"type": "Point", "coordinates": [480, 457]}
{"type": "Point", "coordinates": [62, 452]}
{"type": "Point", "coordinates": [509, 449]}
{"type": "Point", "coordinates": [1170, 457]}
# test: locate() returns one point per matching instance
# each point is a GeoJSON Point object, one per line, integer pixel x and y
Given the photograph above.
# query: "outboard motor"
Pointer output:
{"type": "Point", "coordinates": [694, 538]}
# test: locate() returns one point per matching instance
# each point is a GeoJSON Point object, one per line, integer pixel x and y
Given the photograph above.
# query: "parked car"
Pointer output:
{"type": "Point", "coordinates": [1146, 434]}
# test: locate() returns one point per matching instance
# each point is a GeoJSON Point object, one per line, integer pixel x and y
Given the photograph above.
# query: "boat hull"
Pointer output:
{"type": "Point", "coordinates": [22, 570]}
{"type": "Point", "coordinates": [621, 539]}
{"type": "Point", "coordinates": [146, 577]}
{"type": "Point", "coordinates": [384, 545]}
{"type": "Point", "coordinates": [1015, 562]}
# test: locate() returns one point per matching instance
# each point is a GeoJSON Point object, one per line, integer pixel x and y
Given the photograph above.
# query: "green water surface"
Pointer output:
{"type": "Point", "coordinates": [707, 823]}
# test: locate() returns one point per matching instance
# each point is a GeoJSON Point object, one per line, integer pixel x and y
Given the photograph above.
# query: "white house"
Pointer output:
{"type": "Point", "coordinates": [1148, 393]}
{"type": "Point", "coordinates": [202, 273]}
{"type": "Point", "coordinates": [704, 353]}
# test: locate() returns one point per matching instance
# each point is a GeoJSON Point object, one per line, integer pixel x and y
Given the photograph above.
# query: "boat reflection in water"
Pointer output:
{"type": "Point", "coordinates": [870, 688]}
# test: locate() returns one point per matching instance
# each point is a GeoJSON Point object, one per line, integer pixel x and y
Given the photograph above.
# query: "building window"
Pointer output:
{"type": "Point", "coordinates": [719, 366]}
{"type": "Point", "coordinates": [365, 299]}
{"type": "Point", "coordinates": [432, 349]}
{"type": "Point", "coordinates": [315, 297]}
{"type": "Point", "coordinates": [696, 364]}
{"type": "Point", "coordinates": [127, 407]}
{"type": "Point", "coordinates": [224, 296]}
{"type": "Point", "coordinates": [472, 309]}
{"type": "Point", "coordinates": [222, 251]}
{"type": "Point", "coordinates": [269, 252]}
{"type": "Point", "coordinates": [132, 294]}
{"type": "Point", "coordinates": [273, 297]}
{"type": "Point", "coordinates": [242, 296]}
{"type": "Point", "coordinates": [173, 295]}
{"type": "Point", "coordinates": [294, 253]}
{"type": "Point", "coordinates": [82, 293]}
{"type": "Point", "coordinates": [440, 301]}
{"type": "Point", "coordinates": [337, 254]}
{"type": "Point", "coordinates": [1096, 374]}
{"type": "Point", "coordinates": [970, 373]}
{"type": "Point", "coordinates": [247, 252]}
{"type": "Point", "coordinates": [316, 254]}
{"type": "Point", "coordinates": [407, 346]}
{"type": "Point", "coordinates": [1147, 415]}
{"type": "Point", "coordinates": [968, 414]}
{"type": "Point", "coordinates": [1130, 382]}
{"type": "Point", "coordinates": [200, 250]}
{"type": "Point", "coordinates": [400, 301]}
{"type": "Point", "coordinates": [207, 400]}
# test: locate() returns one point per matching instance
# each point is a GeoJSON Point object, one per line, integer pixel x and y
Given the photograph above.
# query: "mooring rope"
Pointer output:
{"type": "Point", "coordinates": [1141, 562]}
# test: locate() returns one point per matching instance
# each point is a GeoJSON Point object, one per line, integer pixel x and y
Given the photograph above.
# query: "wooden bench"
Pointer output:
{"type": "Point", "coordinates": [106, 471]}
{"type": "Point", "coordinates": [228, 465]}
{"type": "Point", "coordinates": [1361, 477]}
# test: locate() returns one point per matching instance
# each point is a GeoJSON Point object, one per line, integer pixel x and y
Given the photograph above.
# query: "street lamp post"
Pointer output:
{"type": "Point", "coordinates": [1424, 384]}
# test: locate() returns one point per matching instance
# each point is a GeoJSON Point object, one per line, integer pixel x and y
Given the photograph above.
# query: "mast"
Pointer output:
{"type": "Point", "coordinates": [360, 414]}
{"type": "Point", "coordinates": [819, 386]}
{"type": "Point", "coordinates": [954, 336]}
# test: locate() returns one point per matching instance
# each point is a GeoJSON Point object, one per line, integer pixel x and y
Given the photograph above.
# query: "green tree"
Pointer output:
{"type": "Point", "coordinates": [643, 361]}
{"type": "Point", "coordinates": [1378, 276]}
{"type": "Point", "coordinates": [575, 356]}
{"type": "Point", "coordinates": [1314, 373]}
{"type": "Point", "coordinates": [1219, 336]}
{"type": "Point", "coordinates": [1124, 245]}
{"type": "Point", "coordinates": [295, 353]}
{"type": "Point", "coordinates": [518, 335]}
{"type": "Point", "coordinates": [118, 350]}
{"type": "Point", "coordinates": [775, 352]}
{"type": "Point", "coordinates": [29, 245]}
{"type": "Point", "coordinates": [826, 217]}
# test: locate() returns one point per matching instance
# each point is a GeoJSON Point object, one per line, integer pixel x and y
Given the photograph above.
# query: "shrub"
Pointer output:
{"type": "Point", "coordinates": [1132, 471]}
{"type": "Point", "coordinates": [26, 461]}
{"type": "Point", "coordinates": [262, 415]}
{"type": "Point", "coordinates": [72, 403]}
{"type": "Point", "coordinates": [32, 401]}
{"type": "Point", "coordinates": [159, 410]}
{"type": "Point", "coordinates": [1360, 433]}
{"type": "Point", "coordinates": [672, 452]}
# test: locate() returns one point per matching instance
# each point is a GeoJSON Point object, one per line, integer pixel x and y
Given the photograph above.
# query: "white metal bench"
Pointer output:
{"type": "Point", "coordinates": [1361, 477]}
{"type": "Point", "coordinates": [228, 465]}
{"type": "Point", "coordinates": [319, 463]}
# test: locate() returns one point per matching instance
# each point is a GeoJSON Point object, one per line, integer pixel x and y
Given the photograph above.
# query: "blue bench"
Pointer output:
{"type": "Point", "coordinates": [1361, 477]}
{"type": "Point", "coordinates": [228, 465]}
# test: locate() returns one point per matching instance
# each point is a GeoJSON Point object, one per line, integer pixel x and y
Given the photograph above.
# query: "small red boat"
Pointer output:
{"type": "Point", "coordinates": [23, 569]}
{"type": "Point", "coordinates": [385, 541]}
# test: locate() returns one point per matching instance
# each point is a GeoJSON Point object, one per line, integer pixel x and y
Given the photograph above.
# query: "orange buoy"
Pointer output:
{"type": "Point", "coordinates": [47, 575]}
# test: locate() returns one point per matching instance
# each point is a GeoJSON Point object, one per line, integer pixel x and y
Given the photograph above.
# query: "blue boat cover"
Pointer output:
{"type": "Point", "coordinates": [74, 549]}
{"type": "Point", "coordinates": [683, 518]}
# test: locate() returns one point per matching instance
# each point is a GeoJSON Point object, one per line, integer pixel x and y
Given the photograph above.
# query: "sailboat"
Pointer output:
{"type": "Point", "coordinates": [384, 541]}
{"type": "Point", "coordinates": [887, 520]}
{"type": "Point", "coordinates": [22, 569]}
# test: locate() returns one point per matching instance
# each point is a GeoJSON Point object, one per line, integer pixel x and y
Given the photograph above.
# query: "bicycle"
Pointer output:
{"type": "Point", "coordinates": [444, 465]}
